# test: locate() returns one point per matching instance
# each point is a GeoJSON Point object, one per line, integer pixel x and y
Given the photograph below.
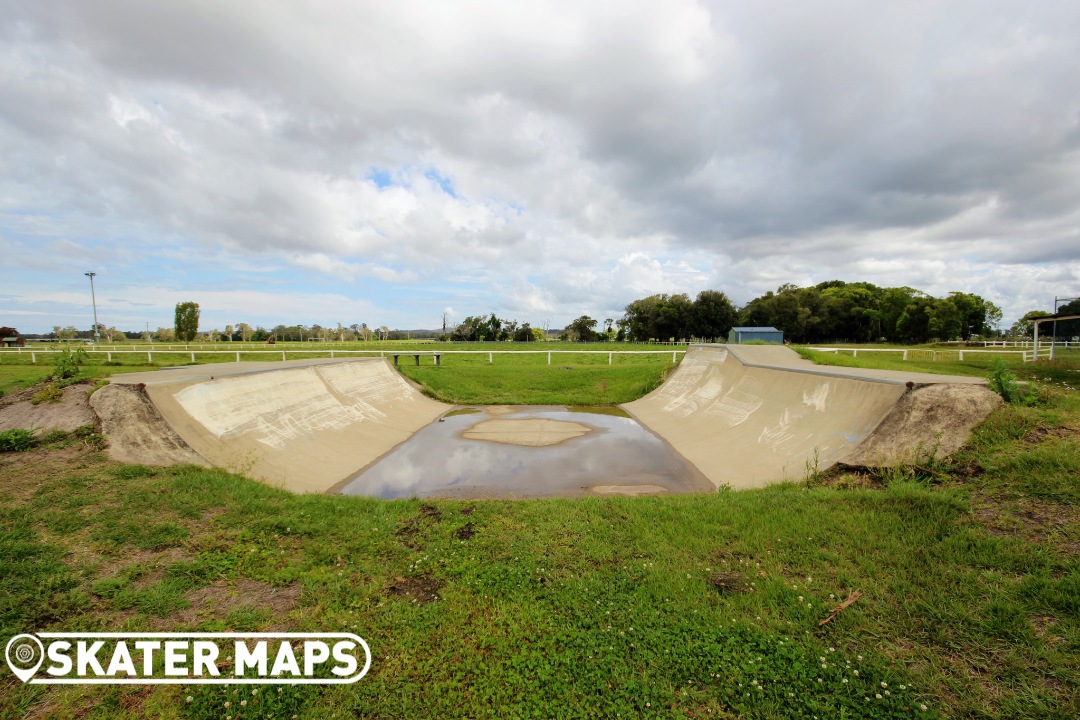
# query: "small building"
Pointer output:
{"type": "Point", "coordinates": [755, 334]}
{"type": "Point", "coordinates": [13, 342]}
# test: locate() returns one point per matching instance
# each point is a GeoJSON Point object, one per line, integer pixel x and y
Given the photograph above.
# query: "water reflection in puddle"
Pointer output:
{"type": "Point", "coordinates": [615, 456]}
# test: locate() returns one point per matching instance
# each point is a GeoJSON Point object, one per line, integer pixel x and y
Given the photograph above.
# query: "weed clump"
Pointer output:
{"type": "Point", "coordinates": [1003, 381]}
{"type": "Point", "coordinates": [17, 440]}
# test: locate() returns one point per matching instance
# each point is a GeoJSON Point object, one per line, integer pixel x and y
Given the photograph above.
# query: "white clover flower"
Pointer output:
{"type": "Point", "coordinates": [878, 696]}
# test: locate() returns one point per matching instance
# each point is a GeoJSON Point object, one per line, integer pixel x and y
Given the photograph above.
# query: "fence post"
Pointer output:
{"type": "Point", "coordinates": [108, 357]}
{"type": "Point", "coordinates": [673, 358]}
{"type": "Point", "coordinates": [149, 358]}
{"type": "Point", "coordinates": [961, 356]}
{"type": "Point", "coordinates": [855, 353]}
{"type": "Point", "coordinates": [549, 358]}
{"type": "Point", "coordinates": [237, 356]}
{"type": "Point", "coordinates": [490, 360]}
{"type": "Point", "coordinates": [192, 356]}
{"type": "Point", "coordinates": [331, 354]}
{"type": "Point", "coordinates": [282, 356]}
{"type": "Point", "coordinates": [905, 354]}
{"type": "Point", "coordinates": [33, 357]}
{"type": "Point", "coordinates": [609, 358]}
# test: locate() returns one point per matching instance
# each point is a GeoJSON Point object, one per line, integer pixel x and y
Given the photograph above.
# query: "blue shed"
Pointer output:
{"type": "Point", "coordinates": [760, 334]}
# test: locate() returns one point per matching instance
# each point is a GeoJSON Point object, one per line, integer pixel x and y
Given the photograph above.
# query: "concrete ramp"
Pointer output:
{"type": "Point", "coordinates": [301, 425]}
{"type": "Point", "coordinates": [748, 416]}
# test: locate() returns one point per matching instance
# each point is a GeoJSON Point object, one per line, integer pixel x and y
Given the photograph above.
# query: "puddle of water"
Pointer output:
{"type": "Point", "coordinates": [616, 456]}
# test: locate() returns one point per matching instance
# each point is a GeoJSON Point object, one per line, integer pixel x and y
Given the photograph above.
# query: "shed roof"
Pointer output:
{"type": "Point", "coordinates": [755, 329]}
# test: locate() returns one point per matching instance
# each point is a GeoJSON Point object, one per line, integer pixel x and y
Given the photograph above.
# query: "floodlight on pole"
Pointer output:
{"type": "Point", "coordinates": [93, 299]}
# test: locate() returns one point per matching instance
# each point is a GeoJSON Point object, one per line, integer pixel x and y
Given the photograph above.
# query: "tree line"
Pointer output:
{"type": "Point", "coordinates": [828, 311]}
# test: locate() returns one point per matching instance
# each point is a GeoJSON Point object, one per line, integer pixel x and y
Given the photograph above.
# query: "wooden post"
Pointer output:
{"type": "Point", "coordinates": [417, 358]}
{"type": "Point", "coordinates": [490, 359]}
{"type": "Point", "coordinates": [673, 358]}
{"type": "Point", "coordinates": [149, 359]}
{"type": "Point", "coordinates": [192, 356]}
{"type": "Point", "coordinates": [609, 358]}
{"type": "Point", "coordinates": [237, 356]}
{"type": "Point", "coordinates": [549, 358]}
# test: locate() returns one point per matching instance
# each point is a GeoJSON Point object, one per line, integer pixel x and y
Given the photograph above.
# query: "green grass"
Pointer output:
{"type": "Point", "coordinates": [674, 607]}
{"type": "Point", "coordinates": [527, 379]}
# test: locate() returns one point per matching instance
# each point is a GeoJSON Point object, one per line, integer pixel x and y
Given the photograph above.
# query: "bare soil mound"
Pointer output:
{"type": "Point", "coordinates": [69, 412]}
{"type": "Point", "coordinates": [931, 421]}
{"type": "Point", "coordinates": [136, 431]}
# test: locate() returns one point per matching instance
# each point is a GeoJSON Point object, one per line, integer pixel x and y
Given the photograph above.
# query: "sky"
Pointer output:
{"type": "Point", "coordinates": [384, 163]}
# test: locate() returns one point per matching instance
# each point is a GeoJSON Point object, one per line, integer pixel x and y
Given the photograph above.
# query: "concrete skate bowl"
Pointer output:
{"type": "Point", "coordinates": [743, 417]}
{"type": "Point", "coordinates": [748, 416]}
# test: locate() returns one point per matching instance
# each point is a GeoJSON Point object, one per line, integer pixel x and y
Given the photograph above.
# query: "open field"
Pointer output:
{"type": "Point", "coordinates": [693, 606]}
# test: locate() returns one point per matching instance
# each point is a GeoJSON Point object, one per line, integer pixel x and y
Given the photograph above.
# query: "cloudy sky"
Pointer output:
{"type": "Point", "coordinates": [384, 162]}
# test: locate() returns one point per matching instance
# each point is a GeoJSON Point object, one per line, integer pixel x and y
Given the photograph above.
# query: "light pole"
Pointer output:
{"type": "Point", "coordinates": [93, 299]}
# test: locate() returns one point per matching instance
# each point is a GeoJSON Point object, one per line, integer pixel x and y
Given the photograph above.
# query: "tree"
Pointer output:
{"type": "Point", "coordinates": [165, 334]}
{"type": "Point", "coordinates": [712, 315]}
{"type": "Point", "coordinates": [229, 332]}
{"type": "Point", "coordinates": [186, 322]}
{"type": "Point", "coordinates": [67, 333]}
{"type": "Point", "coordinates": [245, 332]}
{"type": "Point", "coordinates": [582, 329]}
{"type": "Point", "coordinates": [1068, 329]}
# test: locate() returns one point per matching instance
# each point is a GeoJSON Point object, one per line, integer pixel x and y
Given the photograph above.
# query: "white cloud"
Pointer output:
{"type": "Point", "coordinates": [544, 158]}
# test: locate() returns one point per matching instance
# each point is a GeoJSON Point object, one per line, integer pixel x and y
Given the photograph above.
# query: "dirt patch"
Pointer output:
{"type": "Point", "coordinates": [465, 532]}
{"type": "Point", "coordinates": [69, 412]}
{"type": "Point", "coordinates": [1039, 522]}
{"type": "Point", "coordinates": [727, 583]}
{"type": "Point", "coordinates": [1043, 433]}
{"type": "Point", "coordinates": [932, 421]}
{"type": "Point", "coordinates": [136, 431]}
{"type": "Point", "coordinates": [414, 528]}
{"type": "Point", "coordinates": [420, 589]}
{"type": "Point", "coordinates": [216, 601]}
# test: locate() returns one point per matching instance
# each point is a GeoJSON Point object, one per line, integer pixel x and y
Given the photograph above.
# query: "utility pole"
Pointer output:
{"type": "Point", "coordinates": [93, 299]}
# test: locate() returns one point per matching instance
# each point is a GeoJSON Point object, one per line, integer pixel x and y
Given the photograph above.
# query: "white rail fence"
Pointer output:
{"type": "Point", "coordinates": [33, 352]}
{"type": "Point", "coordinates": [1044, 352]}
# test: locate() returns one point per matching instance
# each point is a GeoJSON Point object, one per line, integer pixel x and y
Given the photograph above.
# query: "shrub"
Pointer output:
{"type": "Point", "coordinates": [49, 392]}
{"type": "Point", "coordinates": [16, 440]}
{"type": "Point", "coordinates": [66, 365]}
{"type": "Point", "coordinates": [1003, 381]}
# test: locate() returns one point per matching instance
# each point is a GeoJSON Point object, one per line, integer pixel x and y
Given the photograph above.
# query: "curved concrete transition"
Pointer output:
{"type": "Point", "coordinates": [302, 424]}
{"type": "Point", "coordinates": [744, 416]}
{"type": "Point", "coordinates": [750, 415]}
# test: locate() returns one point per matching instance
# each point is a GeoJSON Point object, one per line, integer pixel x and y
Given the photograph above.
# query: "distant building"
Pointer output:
{"type": "Point", "coordinates": [755, 334]}
{"type": "Point", "coordinates": [14, 342]}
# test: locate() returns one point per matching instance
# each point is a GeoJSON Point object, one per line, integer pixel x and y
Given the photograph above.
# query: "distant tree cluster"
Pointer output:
{"type": "Point", "coordinates": [493, 329]}
{"type": "Point", "coordinates": [834, 310]}
{"type": "Point", "coordinates": [863, 312]}
{"type": "Point", "coordinates": [676, 317]}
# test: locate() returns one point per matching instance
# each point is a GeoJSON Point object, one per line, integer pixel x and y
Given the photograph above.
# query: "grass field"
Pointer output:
{"type": "Point", "coordinates": [694, 606]}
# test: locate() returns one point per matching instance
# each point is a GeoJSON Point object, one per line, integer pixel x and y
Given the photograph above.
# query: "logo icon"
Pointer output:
{"type": "Point", "coordinates": [25, 654]}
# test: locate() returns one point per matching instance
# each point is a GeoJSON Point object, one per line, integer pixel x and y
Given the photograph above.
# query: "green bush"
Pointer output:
{"type": "Point", "coordinates": [67, 364]}
{"type": "Point", "coordinates": [1003, 381]}
{"type": "Point", "coordinates": [16, 440]}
